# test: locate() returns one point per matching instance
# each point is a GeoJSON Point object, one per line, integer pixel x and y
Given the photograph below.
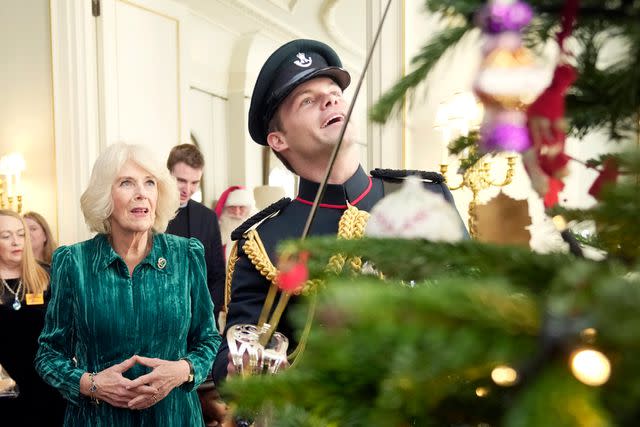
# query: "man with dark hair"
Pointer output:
{"type": "Point", "coordinates": [298, 109]}
{"type": "Point", "coordinates": [193, 219]}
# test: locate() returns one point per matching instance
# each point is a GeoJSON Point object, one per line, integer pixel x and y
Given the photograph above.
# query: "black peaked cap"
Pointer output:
{"type": "Point", "coordinates": [289, 66]}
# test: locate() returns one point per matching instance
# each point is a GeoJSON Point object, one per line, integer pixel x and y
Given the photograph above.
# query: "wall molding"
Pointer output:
{"type": "Point", "coordinates": [75, 104]}
{"type": "Point", "coordinates": [273, 27]}
{"type": "Point", "coordinates": [287, 5]}
{"type": "Point", "coordinates": [328, 12]}
{"type": "Point", "coordinates": [385, 142]}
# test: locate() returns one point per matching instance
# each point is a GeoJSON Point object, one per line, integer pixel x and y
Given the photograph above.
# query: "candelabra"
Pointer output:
{"type": "Point", "coordinates": [8, 203]}
{"type": "Point", "coordinates": [11, 167]}
{"type": "Point", "coordinates": [477, 178]}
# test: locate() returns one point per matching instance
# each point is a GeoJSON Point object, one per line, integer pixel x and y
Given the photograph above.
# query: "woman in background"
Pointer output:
{"type": "Point", "coordinates": [24, 293]}
{"type": "Point", "coordinates": [129, 333]}
{"type": "Point", "coordinates": [42, 241]}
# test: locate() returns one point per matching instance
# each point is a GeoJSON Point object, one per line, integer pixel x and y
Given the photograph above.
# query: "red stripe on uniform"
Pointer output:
{"type": "Point", "coordinates": [327, 205]}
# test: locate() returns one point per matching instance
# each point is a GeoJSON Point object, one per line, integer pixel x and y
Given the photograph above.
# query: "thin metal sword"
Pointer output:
{"type": "Point", "coordinates": [266, 333]}
{"type": "Point", "coordinates": [336, 148]}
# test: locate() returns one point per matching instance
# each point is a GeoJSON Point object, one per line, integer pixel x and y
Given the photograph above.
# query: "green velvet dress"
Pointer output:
{"type": "Point", "coordinates": [100, 315]}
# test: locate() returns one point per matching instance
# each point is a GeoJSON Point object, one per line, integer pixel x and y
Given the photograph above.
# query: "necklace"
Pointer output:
{"type": "Point", "coordinates": [16, 300]}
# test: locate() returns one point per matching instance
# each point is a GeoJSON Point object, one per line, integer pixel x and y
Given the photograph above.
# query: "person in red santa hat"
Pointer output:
{"type": "Point", "coordinates": [233, 208]}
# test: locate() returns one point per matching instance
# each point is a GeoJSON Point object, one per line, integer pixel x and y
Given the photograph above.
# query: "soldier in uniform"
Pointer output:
{"type": "Point", "coordinates": [298, 109]}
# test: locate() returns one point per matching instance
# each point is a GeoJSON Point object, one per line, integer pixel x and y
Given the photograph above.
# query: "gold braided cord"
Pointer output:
{"type": "Point", "coordinates": [311, 286]}
{"type": "Point", "coordinates": [336, 263]}
{"type": "Point", "coordinates": [231, 267]}
{"type": "Point", "coordinates": [356, 263]}
{"type": "Point", "coordinates": [256, 252]}
{"type": "Point", "coordinates": [293, 357]}
{"type": "Point", "coordinates": [352, 225]}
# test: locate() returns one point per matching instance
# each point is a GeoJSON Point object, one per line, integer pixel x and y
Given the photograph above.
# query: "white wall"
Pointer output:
{"type": "Point", "coordinates": [209, 48]}
{"type": "Point", "coordinates": [26, 112]}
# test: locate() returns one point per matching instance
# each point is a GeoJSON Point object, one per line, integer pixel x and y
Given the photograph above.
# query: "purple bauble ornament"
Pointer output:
{"type": "Point", "coordinates": [500, 15]}
{"type": "Point", "coordinates": [505, 137]}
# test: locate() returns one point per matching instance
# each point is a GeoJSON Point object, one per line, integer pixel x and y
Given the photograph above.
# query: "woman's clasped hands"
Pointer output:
{"type": "Point", "coordinates": [141, 393]}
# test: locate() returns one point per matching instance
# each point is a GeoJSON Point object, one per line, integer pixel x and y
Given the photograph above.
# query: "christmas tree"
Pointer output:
{"type": "Point", "coordinates": [471, 334]}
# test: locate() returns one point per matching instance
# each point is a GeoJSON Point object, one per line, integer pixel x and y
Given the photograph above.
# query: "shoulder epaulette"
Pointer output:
{"type": "Point", "coordinates": [397, 175]}
{"type": "Point", "coordinates": [255, 219]}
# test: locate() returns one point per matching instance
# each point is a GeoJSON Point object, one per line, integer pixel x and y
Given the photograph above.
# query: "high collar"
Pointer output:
{"type": "Point", "coordinates": [337, 196]}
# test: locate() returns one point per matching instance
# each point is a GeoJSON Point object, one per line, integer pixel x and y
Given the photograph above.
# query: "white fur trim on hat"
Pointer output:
{"type": "Point", "coordinates": [240, 197]}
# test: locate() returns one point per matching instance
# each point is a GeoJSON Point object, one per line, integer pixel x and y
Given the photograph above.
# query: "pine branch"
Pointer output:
{"type": "Point", "coordinates": [469, 143]}
{"type": "Point", "coordinates": [364, 380]}
{"type": "Point", "coordinates": [413, 348]}
{"type": "Point", "coordinates": [392, 355]}
{"type": "Point", "coordinates": [419, 259]}
{"type": "Point", "coordinates": [616, 216]}
{"type": "Point", "coordinates": [394, 99]}
{"type": "Point", "coordinates": [601, 98]}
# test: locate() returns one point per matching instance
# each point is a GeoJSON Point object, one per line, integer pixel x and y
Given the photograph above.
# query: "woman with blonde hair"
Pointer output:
{"type": "Point", "coordinates": [129, 333]}
{"type": "Point", "coordinates": [24, 294]}
{"type": "Point", "coordinates": [42, 241]}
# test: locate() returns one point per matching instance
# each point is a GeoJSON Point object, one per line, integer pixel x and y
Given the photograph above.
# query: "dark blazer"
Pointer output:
{"type": "Point", "coordinates": [203, 225]}
{"type": "Point", "coordinates": [249, 288]}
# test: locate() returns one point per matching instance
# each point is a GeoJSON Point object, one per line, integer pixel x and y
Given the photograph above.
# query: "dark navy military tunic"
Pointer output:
{"type": "Point", "coordinates": [249, 288]}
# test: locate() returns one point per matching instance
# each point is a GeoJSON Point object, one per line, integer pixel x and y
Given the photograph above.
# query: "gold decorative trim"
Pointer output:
{"type": "Point", "coordinates": [231, 267]}
{"type": "Point", "coordinates": [257, 254]}
{"type": "Point", "coordinates": [352, 225]}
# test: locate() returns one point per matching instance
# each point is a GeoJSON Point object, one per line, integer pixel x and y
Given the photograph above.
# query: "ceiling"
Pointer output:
{"type": "Point", "coordinates": [341, 23]}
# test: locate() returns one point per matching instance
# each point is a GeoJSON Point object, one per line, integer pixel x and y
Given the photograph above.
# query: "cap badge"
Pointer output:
{"type": "Point", "coordinates": [302, 60]}
{"type": "Point", "coordinates": [162, 263]}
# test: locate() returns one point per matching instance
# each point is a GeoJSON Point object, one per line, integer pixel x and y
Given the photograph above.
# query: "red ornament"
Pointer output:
{"type": "Point", "coordinates": [293, 274]}
{"type": "Point", "coordinates": [547, 124]}
{"type": "Point", "coordinates": [547, 130]}
{"type": "Point", "coordinates": [609, 174]}
{"type": "Point", "coordinates": [546, 162]}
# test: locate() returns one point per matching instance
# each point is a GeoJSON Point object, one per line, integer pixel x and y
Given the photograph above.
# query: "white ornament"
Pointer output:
{"type": "Point", "coordinates": [415, 213]}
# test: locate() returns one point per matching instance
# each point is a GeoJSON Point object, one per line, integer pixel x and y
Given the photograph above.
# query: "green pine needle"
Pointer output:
{"type": "Point", "coordinates": [394, 99]}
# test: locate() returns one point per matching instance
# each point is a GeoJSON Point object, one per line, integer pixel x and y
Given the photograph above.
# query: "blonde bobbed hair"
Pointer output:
{"type": "Point", "coordinates": [96, 201]}
{"type": "Point", "coordinates": [35, 279]}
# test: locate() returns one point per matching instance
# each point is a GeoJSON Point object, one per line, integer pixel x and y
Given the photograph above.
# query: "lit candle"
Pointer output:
{"type": "Point", "coordinates": [18, 186]}
{"type": "Point", "coordinates": [9, 185]}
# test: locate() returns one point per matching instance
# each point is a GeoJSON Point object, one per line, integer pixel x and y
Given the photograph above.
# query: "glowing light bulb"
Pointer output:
{"type": "Point", "coordinates": [589, 335]}
{"type": "Point", "coordinates": [559, 222]}
{"type": "Point", "coordinates": [590, 367]}
{"type": "Point", "coordinates": [482, 391]}
{"type": "Point", "coordinates": [504, 375]}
